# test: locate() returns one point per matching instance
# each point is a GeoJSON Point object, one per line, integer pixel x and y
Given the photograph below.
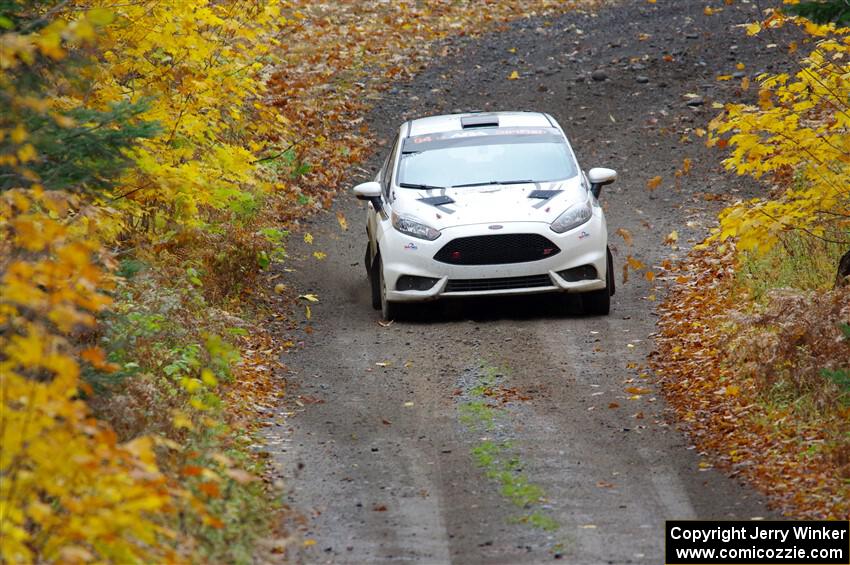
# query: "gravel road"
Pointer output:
{"type": "Point", "coordinates": [388, 452]}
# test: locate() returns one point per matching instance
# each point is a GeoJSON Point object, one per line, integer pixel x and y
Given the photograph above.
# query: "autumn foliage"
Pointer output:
{"type": "Point", "coordinates": [797, 137]}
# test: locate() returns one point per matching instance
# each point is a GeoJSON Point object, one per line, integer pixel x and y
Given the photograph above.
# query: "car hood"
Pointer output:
{"type": "Point", "coordinates": [493, 204]}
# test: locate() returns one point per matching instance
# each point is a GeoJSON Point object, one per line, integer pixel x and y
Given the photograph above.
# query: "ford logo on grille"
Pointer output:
{"type": "Point", "coordinates": [495, 227]}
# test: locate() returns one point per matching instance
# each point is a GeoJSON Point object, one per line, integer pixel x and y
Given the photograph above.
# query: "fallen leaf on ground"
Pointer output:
{"type": "Point", "coordinates": [653, 183]}
{"type": "Point", "coordinates": [626, 235]}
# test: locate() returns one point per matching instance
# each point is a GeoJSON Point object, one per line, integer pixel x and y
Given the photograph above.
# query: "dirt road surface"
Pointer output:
{"type": "Point", "coordinates": [389, 452]}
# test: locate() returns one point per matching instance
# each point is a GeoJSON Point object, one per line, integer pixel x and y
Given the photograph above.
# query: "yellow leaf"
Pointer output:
{"type": "Point", "coordinates": [309, 297]}
{"type": "Point", "coordinates": [19, 134]}
{"type": "Point", "coordinates": [26, 153]}
{"type": "Point", "coordinates": [208, 378]}
{"type": "Point", "coordinates": [634, 263]}
{"type": "Point", "coordinates": [308, 238]}
{"type": "Point", "coordinates": [191, 385]}
{"type": "Point", "coordinates": [343, 223]}
{"type": "Point", "coordinates": [181, 420]}
{"type": "Point", "coordinates": [653, 183]}
{"type": "Point", "coordinates": [100, 16]}
{"type": "Point", "coordinates": [319, 255]}
{"type": "Point", "coordinates": [513, 76]}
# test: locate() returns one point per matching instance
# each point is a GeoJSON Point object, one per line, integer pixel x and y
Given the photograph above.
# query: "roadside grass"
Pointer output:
{"type": "Point", "coordinates": [176, 358]}
{"type": "Point", "coordinates": [801, 262]}
{"type": "Point", "coordinates": [480, 412]}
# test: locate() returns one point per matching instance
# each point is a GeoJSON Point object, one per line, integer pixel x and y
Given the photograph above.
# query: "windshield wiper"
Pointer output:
{"type": "Point", "coordinates": [419, 186]}
{"type": "Point", "coordinates": [485, 183]}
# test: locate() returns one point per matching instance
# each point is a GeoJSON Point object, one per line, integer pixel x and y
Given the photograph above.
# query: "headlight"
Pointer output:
{"type": "Point", "coordinates": [415, 228]}
{"type": "Point", "coordinates": [575, 215]}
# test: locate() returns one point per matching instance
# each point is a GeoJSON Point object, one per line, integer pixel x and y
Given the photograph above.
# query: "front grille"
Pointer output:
{"type": "Point", "coordinates": [470, 285]}
{"type": "Point", "coordinates": [496, 249]}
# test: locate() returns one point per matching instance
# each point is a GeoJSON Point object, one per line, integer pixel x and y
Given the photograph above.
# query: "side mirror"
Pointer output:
{"type": "Point", "coordinates": [599, 177]}
{"type": "Point", "coordinates": [370, 191]}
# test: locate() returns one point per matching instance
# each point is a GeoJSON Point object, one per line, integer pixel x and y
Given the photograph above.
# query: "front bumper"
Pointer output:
{"type": "Point", "coordinates": [405, 255]}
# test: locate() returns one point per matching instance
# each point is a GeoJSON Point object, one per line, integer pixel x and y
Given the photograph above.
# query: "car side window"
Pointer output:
{"type": "Point", "coordinates": [387, 172]}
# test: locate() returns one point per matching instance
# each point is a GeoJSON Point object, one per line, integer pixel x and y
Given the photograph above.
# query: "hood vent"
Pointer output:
{"type": "Point", "coordinates": [437, 200]}
{"type": "Point", "coordinates": [544, 194]}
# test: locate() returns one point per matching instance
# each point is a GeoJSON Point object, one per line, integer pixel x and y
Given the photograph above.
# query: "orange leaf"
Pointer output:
{"type": "Point", "coordinates": [191, 471]}
{"type": "Point", "coordinates": [626, 235]}
{"type": "Point", "coordinates": [210, 489]}
{"type": "Point", "coordinates": [634, 263]}
{"type": "Point", "coordinates": [653, 183]}
{"type": "Point", "coordinates": [94, 355]}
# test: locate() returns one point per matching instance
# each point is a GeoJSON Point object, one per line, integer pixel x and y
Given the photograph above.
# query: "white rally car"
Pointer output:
{"type": "Point", "coordinates": [485, 204]}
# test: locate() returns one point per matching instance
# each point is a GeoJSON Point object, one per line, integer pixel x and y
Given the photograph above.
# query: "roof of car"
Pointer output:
{"type": "Point", "coordinates": [452, 122]}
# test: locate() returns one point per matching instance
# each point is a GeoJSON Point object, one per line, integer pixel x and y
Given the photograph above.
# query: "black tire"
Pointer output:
{"type": "Point", "coordinates": [389, 310]}
{"type": "Point", "coordinates": [598, 302]}
{"type": "Point", "coordinates": [613, 283]}
{"type": "Point", "coordinates": [374, 283]}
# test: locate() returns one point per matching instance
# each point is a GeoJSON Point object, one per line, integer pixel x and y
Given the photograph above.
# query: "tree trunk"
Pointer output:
{"type": "Point", "coordinates": [842, 277]}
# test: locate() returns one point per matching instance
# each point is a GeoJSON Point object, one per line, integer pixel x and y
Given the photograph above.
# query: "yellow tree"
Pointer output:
{"type": "Point", "coordinates": [798, 137]}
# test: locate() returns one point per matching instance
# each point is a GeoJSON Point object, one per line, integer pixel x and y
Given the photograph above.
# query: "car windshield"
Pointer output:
{"type": "Point", "coordinates": [484, 157]}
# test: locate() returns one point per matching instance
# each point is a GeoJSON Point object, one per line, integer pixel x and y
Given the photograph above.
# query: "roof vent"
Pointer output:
{"type": "Point", "coordinates": [479, 121]}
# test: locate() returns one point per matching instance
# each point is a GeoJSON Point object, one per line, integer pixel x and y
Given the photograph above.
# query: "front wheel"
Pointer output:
{"type": "Point", "coordinates": [374, 283]}
{"type": "Point", "coordinates": [389, 310]}
{"type": "Point", "coordinates": [598, 302]}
